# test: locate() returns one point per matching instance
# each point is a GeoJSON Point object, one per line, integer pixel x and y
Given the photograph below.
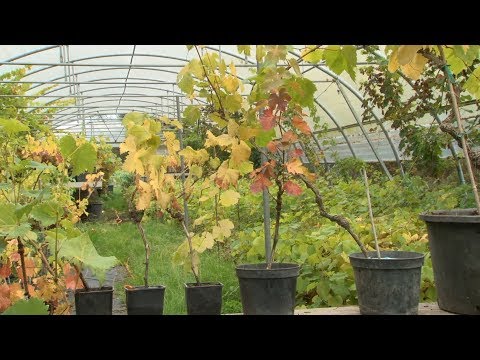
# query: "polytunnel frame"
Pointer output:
{"type": "Point", "coordinates": [69, 72]}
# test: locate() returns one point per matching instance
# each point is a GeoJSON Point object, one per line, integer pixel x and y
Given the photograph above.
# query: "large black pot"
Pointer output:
{"type": "Point", "coordinates": [143, 300]}
{"type": "Point", "coordinates": [390, 285]}
{"type": "Point", "coordinates": [94, 301]}
{"type": "Point", "coordinates": [204, 299]}
{"type": "Point", "coordinates": [454, 239]}
{"type": "Point", "coordinates": [268, 292]}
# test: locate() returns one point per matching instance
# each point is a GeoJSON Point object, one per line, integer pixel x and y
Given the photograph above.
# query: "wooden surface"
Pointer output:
{"type": "Point", "coordinates": [423, 309]}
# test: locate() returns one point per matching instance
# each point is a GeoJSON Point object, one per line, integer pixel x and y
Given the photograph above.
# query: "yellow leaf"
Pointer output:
{"type": "Point", "coordinates": [200, 220]}
{"type": "Point", "coordinates": [415, 68]}
{"type": "Point", "coordinates": [246, 133]}
{"type": "Point", "coordinates": [393, 64]}
{"type": "Point", "coordinates": [133, 164]}
{"type": "Point", "coordinates": [245, 167]}
{"type": "Point", "coordinates": [173, 145]}
{"type": "Point", "coordinates": [202, 242]}
{"type": "Point", "coordinates": [406, 53]}
{"type": "Point", "coordinates": [240, 152]}
{"type": "Point", "coordinates": [196, 171]}
{"type": "Point", "coordinates": [145, 195]}
{"type": "Point", "coordinates": [295, 166]}
{"type": "Point", "coordinates": [229, 198]}
{"type": "Point", "coordinates": [231, 84]}
{"type": "Point", "coordinates": [223, 230]}
{"type": "Point", "coordinates": [164, 199]}
{"type": "Point", "coordinates": [224, 177]}
{"type": "Point", "coordinates": [128, 145]}
{"type": "Point", "coordinates": [233, 128]}
{"type": "Point", "coordinates": [222, 140]}
{"type": "Point", "coordinates": [177, 124]}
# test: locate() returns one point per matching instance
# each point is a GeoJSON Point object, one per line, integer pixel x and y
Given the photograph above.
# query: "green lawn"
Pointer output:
{"type": "Point", "coordinates": [124, 242]}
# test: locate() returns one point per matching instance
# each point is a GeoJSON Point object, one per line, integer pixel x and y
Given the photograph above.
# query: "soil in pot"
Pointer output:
{"type": "Point", "coordinates": [268, 291]}
{"type": "Point", "coordinates": [204, 299]}
{"type": "Point", "coordinates": [94, 301]}
{"type": "Point", "coordinates": [390, 285]}
{"type": "Point", "coordinates": [454, 240]}
{"type": "Point", "coordinates": [143, 300]}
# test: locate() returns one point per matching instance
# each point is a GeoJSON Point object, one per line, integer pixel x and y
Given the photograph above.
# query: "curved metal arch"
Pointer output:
{"type": "Point", "coordinates": [113, 87]}
{"type": "Point", "coordinates": [36, 51]}
{"type": "Point", "coordinates": [359, 97]}
{"type": "Point", "coordinates": [338, 127]}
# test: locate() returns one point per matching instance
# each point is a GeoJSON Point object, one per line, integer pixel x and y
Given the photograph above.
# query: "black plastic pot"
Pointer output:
{"type": "Point", "coordinates": [94, 210]}
{"type": "Point", "coordinates": [204, 299]}
{"type": "Point", "coordinates": [268, 292]}
{"type": "Point", "coordinates": [145, 301]}
{"type": "Point", "coordinates": [96, 301]}
{"type": "Point", "coordinates": [454, 239]}
{"type": "Point", "coordinates": [390, 285]}
{"type": "Point", "coordinates": [82, 177]}
{"type": "Point", "coordinates": [110, 188]}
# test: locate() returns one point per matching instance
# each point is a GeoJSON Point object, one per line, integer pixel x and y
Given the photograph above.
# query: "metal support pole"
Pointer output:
{"type": "Point", "coordinates": [266, 210]}
{"type": "Point", "coordinates": [182, 168]}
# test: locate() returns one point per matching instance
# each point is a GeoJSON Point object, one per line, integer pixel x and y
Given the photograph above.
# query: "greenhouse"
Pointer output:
{"type": "Point", "coordinates": [239, 179]}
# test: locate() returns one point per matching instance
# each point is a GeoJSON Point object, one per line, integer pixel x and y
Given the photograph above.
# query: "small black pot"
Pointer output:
{"type": "Point", "coordinates": [268, 292]}
{"type": "Point", "coordinates": [94, 210]}
{"type": "Point", "coordinates": [390, 285]}
{"type": "Point", "coordinates": [110, 188]}
{"type": "Point", "coordinates": [454, 240]}
{"type": "Point", "coordinates": [204, 299]}
{"type": "Point", "coordinates": [143, 300]}
{"type": "Point", "coordinates": [96, 301]}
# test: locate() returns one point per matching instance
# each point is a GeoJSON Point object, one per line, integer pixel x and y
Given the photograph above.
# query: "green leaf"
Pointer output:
{"type": "Point", "coordinates": [312, 57]}
{"type": "Point", "coordinates": [301, 90]}
{"type": "Point", "coordinates": [233, 102]}
{"type": "Point", "coordinates": [472, 85]}
{"type": "Point", "coordinates": [191, 114]}
{"type": "Point", "coordinates": [67, 145]}
{"type": "Point", "coordinates": [40, 166]}
{"type": "Point", "coordinates": [340, 289]}
{"type": "Point", "coordinates": [8, 219]}
{"type": "Point", "coordinates": [81, 250]}
{"type": "Point", "coordinates": [264, 137]}
{"type": "Point", "coordinates": [136, 117]}
{"type": "Point", "coordinates": [323, 288]}
{"type": "Point", "coordinates": [334, 300]}
{"type": "Point", "coordinates": [12, 126]}
{"type": "Point", "coordinates": [340, 59]}
{"type": "Point", "coordinates": [84, 159]}
{"type": "Point", "coordinates": [186, 84]}
{"type": "Point", "coordinates": [47, 213]}
{"type": "Point", "coordinates": [244, 49]}
{"type": "Point", "coordinates": [246, 167]}
{"type": "Point", "coordinates": [20, 230]}
{"type": "Point", "coordinates": [32, 306]}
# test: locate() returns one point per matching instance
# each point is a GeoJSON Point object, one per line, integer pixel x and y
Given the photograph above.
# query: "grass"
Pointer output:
{"type": "Point", "coordinates": [123, 241]}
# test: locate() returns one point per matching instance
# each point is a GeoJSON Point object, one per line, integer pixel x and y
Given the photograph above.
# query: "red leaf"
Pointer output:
{"type": "Point", "coordinates": [5, 270]}
{"type": "Point", "coordinates": [301, 125]}
{"type": "Point", "coordinates": [29, 268]}
{"type": "Point", "coordinates": [261, 182]}
{"type": "Point", "coordinates": [4, 297]}
{"type": "Point", "coordinates": [289, 137]}
{"type": "Point", "coordinates": [296, 153]}
{"type": "Point", "coordinates": [292, 189]}
{"type": "Point", "coordinates": [272, 146]}
{"type": "Point", "coordinates": [72, 278]}
{"type": "Point", "coordinates": [267, 119]}
{"type": "Point", "coordinates": [279, 100]}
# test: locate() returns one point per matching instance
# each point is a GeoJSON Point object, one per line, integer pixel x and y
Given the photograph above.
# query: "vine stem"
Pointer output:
{"type": "Point", "coordinates": [461, 130]}
{"type": "Point", "coordinates": [147, 252]}
{"type": "Point", "coordinates": [370, 211]}
{"type": "Point", "coordinates": [278, 211]}
{"type": "Point", "coordinates": [340, 220]}
{"type": "Point", "coordinates": [21, 252]}
{"type": "Point", "coordinates": [197, 278]}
